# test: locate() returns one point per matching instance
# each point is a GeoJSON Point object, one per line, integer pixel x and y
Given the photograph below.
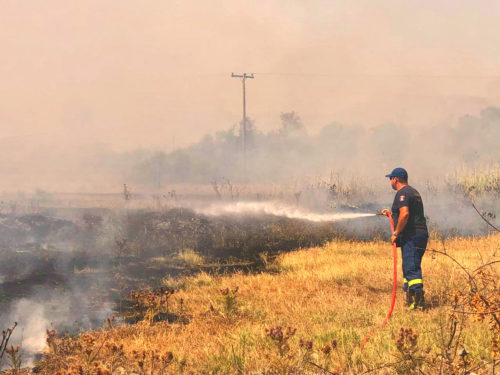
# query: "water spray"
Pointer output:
{"type": "Point", "coordinates": [394, 283]}
{"type": "Point", "coordinates": [277, 209]}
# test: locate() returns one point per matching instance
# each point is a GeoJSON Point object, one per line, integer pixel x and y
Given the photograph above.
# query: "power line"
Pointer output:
{"type": "Point", "coordinates": [381, 75]}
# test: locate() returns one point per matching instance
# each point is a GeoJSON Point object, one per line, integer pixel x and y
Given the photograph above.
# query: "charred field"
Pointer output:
{"type": "Point", "coordinates": [92, 258]}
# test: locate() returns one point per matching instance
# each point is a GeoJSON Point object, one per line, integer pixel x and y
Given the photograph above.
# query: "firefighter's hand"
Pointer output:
{"type": "Point", "coordinates": [385, 212]}
{"type": "Point", "coordinates": [394, 237]}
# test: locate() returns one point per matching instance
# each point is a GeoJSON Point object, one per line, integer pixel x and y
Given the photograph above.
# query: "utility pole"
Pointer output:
{"type": "Point", "coordinates": [243, 77]}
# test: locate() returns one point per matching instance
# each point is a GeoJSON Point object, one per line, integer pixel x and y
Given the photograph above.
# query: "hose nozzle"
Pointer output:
{"type": "Point", "coordinates": [384, 213]}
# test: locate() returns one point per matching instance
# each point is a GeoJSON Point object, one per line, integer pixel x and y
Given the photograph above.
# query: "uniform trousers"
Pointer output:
{"type": "Point", "coordinates": [412, 251]}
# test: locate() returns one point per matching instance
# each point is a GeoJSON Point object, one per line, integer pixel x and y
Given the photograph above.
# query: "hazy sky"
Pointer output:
{"type": "Point", "coordinates": [153, 73]}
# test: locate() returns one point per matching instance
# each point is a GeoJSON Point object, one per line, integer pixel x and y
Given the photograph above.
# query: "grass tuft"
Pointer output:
{"type": "Point", "coordinates": [190, 258]}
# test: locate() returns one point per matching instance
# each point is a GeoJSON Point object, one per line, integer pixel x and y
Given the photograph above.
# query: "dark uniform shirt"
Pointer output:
{"type": "Point", "coordinates": [409, 197]}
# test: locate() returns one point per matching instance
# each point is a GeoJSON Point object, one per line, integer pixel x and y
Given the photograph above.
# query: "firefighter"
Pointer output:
{"type": "Point", "coordinates": [410, 234]}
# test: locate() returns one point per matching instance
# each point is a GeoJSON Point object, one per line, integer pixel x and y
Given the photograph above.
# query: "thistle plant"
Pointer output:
{"type": "Point", "coordinates": [5, 340]}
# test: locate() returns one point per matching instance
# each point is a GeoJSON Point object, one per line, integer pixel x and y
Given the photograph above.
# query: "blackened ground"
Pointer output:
{"type": "Point", "coordinates": [77, 262]}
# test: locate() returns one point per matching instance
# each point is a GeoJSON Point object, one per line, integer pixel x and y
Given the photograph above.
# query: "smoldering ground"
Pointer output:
{"type": "Point", "coordinates": [40, 286]}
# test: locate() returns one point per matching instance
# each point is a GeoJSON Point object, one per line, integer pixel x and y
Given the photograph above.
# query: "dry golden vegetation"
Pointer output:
{"type": "Point", "coordinates": [305, 314]}
{"type": "Point", "coordinates": [485, 180]}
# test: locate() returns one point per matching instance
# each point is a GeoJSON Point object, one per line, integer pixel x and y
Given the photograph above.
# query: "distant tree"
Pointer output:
{"type": "Point", "coordinates": [228, 137]}
{"type": "Point", "coordinates": [205, 147]}
{"type": "Point", "coordinates": [490, 133]}
{"type": "Point", "coordinates": [290, 123]}
{"type": "Point", "coordinates": [476, 138]}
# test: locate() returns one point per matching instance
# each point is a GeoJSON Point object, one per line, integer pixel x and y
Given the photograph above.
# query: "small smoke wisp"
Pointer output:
{"type": "Point", "coordinates": [276, 209]}
{"type": "Point", "coordinates": [30, 333]}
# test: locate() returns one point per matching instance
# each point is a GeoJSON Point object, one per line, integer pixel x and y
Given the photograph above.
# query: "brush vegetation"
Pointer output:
{"type": "Point", "coordinates": [307, 313]}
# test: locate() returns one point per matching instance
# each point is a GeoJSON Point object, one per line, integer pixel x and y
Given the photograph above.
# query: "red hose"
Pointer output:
{"type": "Point", "coordinates": [394, 284]}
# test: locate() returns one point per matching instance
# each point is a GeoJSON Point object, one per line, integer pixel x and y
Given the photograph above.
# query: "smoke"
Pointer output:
{"type": "Point", "coordinates": [286, 155]}
{"type": "Point", "coordinates": [67, 313]}
{"type": "Point", "coordinates": [33, 322]}
{"type": "Point", "coordinates": [290, 153]}
{"type": "Point", "coordinates": [341, 166]}
{"type": "Point", "coordinates": [40, 284]}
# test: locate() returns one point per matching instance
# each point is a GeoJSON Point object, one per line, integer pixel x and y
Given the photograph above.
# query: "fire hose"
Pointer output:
{"type": "Point", "coordinates": [394, 283]}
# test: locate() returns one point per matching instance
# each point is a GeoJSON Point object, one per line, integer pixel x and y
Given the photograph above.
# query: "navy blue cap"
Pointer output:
{"type": "Point", "coordinates": [398, 172]}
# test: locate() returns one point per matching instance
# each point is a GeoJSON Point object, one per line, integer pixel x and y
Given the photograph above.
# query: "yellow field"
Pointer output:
{"type": "Point", "coordinates": [329, 296]}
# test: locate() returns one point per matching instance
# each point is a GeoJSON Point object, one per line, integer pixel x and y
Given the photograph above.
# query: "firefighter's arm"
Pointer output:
{"type": "Point", "coordinates": [404, 214]}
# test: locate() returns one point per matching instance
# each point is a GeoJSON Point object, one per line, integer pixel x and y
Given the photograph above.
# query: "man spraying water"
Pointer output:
{"type": "Point", "coordinates": [410, 234]}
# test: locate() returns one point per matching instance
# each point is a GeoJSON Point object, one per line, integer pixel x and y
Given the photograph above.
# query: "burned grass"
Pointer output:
{"type": "Point", "coordinates": [73, 273]}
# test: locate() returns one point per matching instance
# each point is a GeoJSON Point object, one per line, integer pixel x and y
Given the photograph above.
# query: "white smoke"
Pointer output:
{"type": "Point", "coordinates": [276, 209]}
{"type": "Point", "coordinates": [30, 333]}
{"type": "Point", "coordinates": [34, 325]}
{"type": "Point", "coordinates": [49, 310]}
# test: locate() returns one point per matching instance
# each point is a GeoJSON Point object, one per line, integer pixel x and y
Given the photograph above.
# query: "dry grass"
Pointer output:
{"type": "Point", "coordinates": [190, 257]}
{"type": "Point", "coordinates": [484, 180]}
{"type": "Point", "coordinates": [331, 295]}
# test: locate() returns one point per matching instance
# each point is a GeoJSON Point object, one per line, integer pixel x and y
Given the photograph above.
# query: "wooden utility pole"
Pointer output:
{"type": "Point", "coordinates": [243, 77]}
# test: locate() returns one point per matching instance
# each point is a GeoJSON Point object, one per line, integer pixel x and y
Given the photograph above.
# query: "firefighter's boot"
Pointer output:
{"type": "Point", "coordinates": [416, 300]}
